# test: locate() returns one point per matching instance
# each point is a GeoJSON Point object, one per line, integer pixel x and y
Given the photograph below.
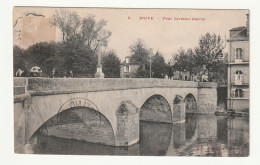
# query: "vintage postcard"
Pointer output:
{"type": "Point", "coordinates": [125, 81]}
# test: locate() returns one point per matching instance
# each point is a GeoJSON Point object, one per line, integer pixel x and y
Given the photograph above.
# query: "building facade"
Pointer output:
{"type": "Point", "coordinates": [128, 69]}
{"type": "Point", "coordinates": [238, 68]}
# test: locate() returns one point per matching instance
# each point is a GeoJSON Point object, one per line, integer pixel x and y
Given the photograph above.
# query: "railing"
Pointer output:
{"type": "Point", "coordinates": [234, 95]}
{"type": "Point", "coordinates": [240, 84]}
{"type": "Point", "coordinates": [238, 62]}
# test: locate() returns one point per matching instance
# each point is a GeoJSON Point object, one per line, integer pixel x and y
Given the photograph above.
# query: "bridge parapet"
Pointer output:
{"type": "Point", "coordinates": [207, 85]}
{"type": "Point", "coordinates": [91, 84]}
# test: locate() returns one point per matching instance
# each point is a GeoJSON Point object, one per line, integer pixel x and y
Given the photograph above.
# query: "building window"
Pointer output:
{"type": "Point", "coordinates": [126, 69]}
{"type": "Point", "coordinates": [239, 93]}
{"type": "Point", "coordinates": [127, 60]}
{"type": "Point", "coordinates": [238, 53]}
{"type": "Point", "coordinates": [239, 75]}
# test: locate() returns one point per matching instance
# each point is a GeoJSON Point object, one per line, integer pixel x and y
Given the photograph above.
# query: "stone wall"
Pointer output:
{"type": "Point", "coordinates": [178, 115]}
{"type": "Point", "coordinates": [240, 104]}
{"type": "Point", "coordinates": [81, 123]}
{"type": "Point", "coordinates": [127, 124]}
{"type": "Point", "coordinates": [207, 99]}
{"type": "Point", "coordinates": [19, 127]}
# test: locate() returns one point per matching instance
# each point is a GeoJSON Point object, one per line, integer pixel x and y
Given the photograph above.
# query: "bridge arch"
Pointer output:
{"type": "Point", "coordinates": [79, 119]}
{"type": "Point", "coordinates": [190, 103]}
{"type": "Point", "coordinates": [156, 108]}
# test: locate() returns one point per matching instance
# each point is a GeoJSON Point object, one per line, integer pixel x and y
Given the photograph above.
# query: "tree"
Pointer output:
{"type": "Point", "coordinates": [204, 59]}
{"type": "Point", "coordinates": [169, 71]}
{"type": "Point", "coordinates": [18, 59]}
{"type": "Point", "coordinates": [68, 23]}
{"type": "Point", "coordinates": [88, 32]}
{"type": "Point", "coordinates": [219, 71]}
{"type": "Point", "coordinates": [208, 51]}
{"type": "Point", "coordinates": [140, 55]}
{"type": "Point", "coordinates": [40, 54]}
{"type": "Point", "coordinates": [111, 65]}
{"type": "Point", "coordinates": [158, 66]}
{"type": "Point", "coordinates": [185, 61]}
{"type": "Point", "coordinates": [85, 62]}
{"type": "Point", "coordinates": [93, 33]}
{"type": "Point", "coordinates": [83, 39]}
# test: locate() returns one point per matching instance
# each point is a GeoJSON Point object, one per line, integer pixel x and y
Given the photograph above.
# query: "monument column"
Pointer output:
{"type": "Point", "coordinates": [99, 73]}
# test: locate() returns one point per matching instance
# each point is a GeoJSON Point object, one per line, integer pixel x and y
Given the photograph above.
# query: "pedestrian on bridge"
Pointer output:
{"type": "Point", "coordinates": [70, 74]}
{"type": "Point", "coordinates": [53, 73]}
{"type": "Point", "coordinates": [19, 73]}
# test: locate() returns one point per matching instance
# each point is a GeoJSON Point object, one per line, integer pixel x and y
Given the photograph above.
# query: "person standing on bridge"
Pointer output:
{"type": "Point", "coordinates": [70, 74]}
{"type": "Point", "coordinates": [19, 73]}
{"type": "Point", "coordinates": [65, 74]}
{"type": "Point", "coordinates": [53, 73]}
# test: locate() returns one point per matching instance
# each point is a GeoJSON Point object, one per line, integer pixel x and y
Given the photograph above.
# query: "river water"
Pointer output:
{"type": "Point", "coordinates": [200, 135]}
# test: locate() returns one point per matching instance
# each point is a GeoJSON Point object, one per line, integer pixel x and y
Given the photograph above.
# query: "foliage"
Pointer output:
{"type": "Point", "coordinates": [19, 59]}
{"type": "Point", "coordinates": [185, 61]}
{"type": "Point", "coordinates": [158, 66]}
{"type": "Point", "coordinates": [111, 65]}
{"type": "Point", "coordinates": [142, 73]}
{"type": "Point", "coordinates": [139, 53]}
{"type": "Point", "coordinates": [88, 32]}
{"type": "Point", "coordinates": [169, 71]}
{"type": "Point", "coordinates": [93, 33]}
{"type": "Point", "coordinates": [218, 71]}
{"type": "Point", "coordinates": [82, 39]}
{"type": "Point", "coordinates": [204, 59]}
{"type": "Point", "coordinates": [36, 55]}
{"type": "Point", "coordinates": [208, 52]}
{"type": "Point", "coordinates": [68, 23]}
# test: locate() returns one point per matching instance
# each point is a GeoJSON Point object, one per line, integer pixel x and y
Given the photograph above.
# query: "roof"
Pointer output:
{"type": "Point", "coordinates": [238, 34]}
{"type": "Point", "coordinates": [238, 28]}
{"type": "Point", "coordinates": [130, 63]}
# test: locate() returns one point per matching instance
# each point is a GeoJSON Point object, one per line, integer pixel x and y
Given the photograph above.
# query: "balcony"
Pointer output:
{"type": "Point", "coordinates": [237, 95]}
{"type": "Point", "coordinates": [240, 80]}
{"type": "Point", "coordinates": [240, 84]}
{"type": "Point", "coordinates": [239, 62]}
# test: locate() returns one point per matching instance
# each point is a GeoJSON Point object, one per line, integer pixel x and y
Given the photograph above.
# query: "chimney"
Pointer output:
{"type": "Point", "coordinates": [247, 24]}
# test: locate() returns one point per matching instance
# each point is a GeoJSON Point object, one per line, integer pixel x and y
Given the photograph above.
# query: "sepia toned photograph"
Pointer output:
{"type": "Point", "coordinates": [131, 82]}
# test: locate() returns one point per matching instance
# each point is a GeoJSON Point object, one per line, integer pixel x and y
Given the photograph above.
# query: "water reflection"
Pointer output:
{"type": "Point", "coordinates": [154, 138]}
{"type": "Point", "coordinates": [201, 135]}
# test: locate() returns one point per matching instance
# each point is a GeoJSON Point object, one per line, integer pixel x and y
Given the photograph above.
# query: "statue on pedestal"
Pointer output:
{"type": "Point", "coordinates": [99, 73]}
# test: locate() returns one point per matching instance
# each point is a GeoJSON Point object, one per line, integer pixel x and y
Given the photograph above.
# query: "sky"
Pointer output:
{"type": "Point", "coordinates": [160, 29]}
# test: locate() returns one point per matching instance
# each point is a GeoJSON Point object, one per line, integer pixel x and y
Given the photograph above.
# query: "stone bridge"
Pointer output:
{"type": "Point", "coordinates": [103, 111]}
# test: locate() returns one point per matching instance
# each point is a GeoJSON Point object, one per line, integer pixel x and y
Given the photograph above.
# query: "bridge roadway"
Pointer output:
{"type": "Point", "coordinates": [109, 109]}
